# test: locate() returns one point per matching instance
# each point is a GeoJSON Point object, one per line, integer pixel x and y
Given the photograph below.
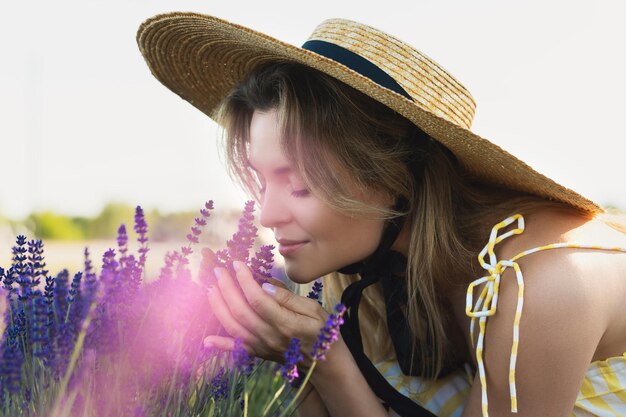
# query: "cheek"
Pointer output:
{"type": "Point", "coordinates": [360, 239]}
{"type": "Point", "coordinates": [349, 240]}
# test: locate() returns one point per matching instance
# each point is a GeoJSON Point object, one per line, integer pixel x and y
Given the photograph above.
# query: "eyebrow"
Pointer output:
{"type": "Point", "coordinates": [278, 171]}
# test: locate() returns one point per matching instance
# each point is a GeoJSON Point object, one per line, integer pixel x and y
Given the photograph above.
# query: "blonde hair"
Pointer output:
{"type": "Point", "coordinates": [344, 143]}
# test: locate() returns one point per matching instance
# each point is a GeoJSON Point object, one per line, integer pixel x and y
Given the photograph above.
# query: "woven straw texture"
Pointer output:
{"type": "Point", "coordinates": [202, 58]}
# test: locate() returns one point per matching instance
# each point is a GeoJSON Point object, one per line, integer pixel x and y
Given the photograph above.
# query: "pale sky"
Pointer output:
{"type": "Point", "coordinates": [83, 122]}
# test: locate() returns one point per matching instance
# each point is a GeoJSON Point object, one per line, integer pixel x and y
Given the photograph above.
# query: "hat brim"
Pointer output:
{"type": "Point", "coordinates": [202, 58]}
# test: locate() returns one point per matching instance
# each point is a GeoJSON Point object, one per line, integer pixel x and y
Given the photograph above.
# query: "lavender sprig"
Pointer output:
{"type": "Point", "coordinates": [91, 279]}
{"type": "Point", "coordinates": [167, 269]}
{"type": "Point", "coordinates": [219, 385]}
{"type": "Point", "coordinates": [241, 359]}
{"type": "Point", "coordinates": [238, 248]}
{"type": "Point", "coordinates": [73, 294]}
{"type": "Point", "coordinates": [289, 370]}
{"type": "Point", "coordinates": [316, 291]}
{"type": "Point", "coordinates": [36, 262]}
{"type": "Point", "coordinates": [329, 333]}
{"type": "Point", "coordinates": [261, 264]}
{"type": "Point", "coordinates": [19, 257]}
{"type": "Point", "coordinates": [141, 228]}
{"type": "Point", "coordinates": [194, 236]}
{"type": "Point", "coordinates": [122, 241]}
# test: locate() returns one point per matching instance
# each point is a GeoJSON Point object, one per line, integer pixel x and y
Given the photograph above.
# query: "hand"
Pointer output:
{"type": "Point", "coordinates": [266, 319]}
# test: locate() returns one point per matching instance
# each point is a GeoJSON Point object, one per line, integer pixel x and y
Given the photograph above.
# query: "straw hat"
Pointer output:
{"type": "Point", "coordinates": [201, 58]}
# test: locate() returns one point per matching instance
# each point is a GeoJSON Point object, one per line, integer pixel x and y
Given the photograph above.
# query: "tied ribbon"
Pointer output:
{"type": "Point", "coordinates": [380, 271]}
{"type": "Point", "coordinates": [486, 304]}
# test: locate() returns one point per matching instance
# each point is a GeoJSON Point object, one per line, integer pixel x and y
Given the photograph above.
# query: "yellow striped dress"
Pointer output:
{"type": "Point", "coordinates": [603, 391]}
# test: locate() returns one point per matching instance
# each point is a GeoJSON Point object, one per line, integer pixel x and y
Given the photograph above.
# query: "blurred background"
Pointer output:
{"type": "Point", "coordinates": [87, 134]}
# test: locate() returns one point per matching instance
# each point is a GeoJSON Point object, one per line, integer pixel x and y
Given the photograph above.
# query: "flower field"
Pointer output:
{"type": "Point", "coordinates": [116, 339]}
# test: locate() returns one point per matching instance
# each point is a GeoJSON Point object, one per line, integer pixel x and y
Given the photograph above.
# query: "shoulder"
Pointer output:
{"type": "Point", "coordinates": [573, 276]}
{"type": "Point", "coordinates": [564, 286]}
{"type": "Point", "coordinates": [562, 322]}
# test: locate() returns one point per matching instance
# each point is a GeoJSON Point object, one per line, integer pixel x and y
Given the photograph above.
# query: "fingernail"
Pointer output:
{"type": "Point", "coordinates": [207, 343]}
{"type": "Point", "coordinates": [269, 288]}
{"type": "Point", "coordinates": [238, 266]}
{"type": "Point", "coordinates": [218, 272]}
{"type": "Point", "coordinates": [209, 290]}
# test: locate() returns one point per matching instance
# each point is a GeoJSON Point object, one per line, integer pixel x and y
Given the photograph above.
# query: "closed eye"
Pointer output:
{"type": "Point", "coordinates": [300, 193]}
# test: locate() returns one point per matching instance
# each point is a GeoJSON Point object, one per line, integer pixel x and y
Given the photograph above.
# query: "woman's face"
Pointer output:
{"type": "Point", "coordinates": [313, 238]}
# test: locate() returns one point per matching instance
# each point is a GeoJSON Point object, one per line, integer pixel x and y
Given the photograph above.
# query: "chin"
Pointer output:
{"type": "Point", "coordinates": [300, 277]}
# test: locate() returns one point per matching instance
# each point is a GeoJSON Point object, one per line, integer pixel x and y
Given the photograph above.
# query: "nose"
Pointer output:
{"type": "Point", "coordinates": [273, 210]}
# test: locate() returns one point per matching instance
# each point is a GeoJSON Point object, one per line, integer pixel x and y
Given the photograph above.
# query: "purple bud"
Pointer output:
{"type": "Point", "coordinates": [316, 291]}
{"type": "Point", "coordinates": [289, 370]}
{"type": "Point", "coordinates": [329, 333]}
{"type": "Point", "coordinates": [241, 358]}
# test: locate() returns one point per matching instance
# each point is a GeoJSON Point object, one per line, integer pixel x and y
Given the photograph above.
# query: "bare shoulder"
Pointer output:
{"type": "Point", "coordinates": [570, 277]}
{"type": "Point", "coordinates": [569, 306]}
{"type": "Point", "coordinates": [596, 273]}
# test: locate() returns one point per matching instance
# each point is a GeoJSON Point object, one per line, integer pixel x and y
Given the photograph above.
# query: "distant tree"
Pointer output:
{"type": "Point", "coordinates": [49, 225]}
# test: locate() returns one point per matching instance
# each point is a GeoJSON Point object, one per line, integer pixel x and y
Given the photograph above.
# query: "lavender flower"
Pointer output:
{"type": "Point", "coordinates": [193, 237]}
{"type": "Point", "coordinates": [329, 333]}
{"type": "Point", "coordinates": [122, 241]}
{"type": "Point", "coordinates": [23, 269]}
{"type": "Point", "coordinates": [241, 359]}
{"type": "Point", "coordinates": [91, 279]}
{"type": "Point", "coordinates": [36, 261]}
{"type": "Point", "coordinates": [261, 264]}
{"type": "Point", "coordinates": [167, 269]}
{"type": "Point", "coordinates": [74, 287]}
{"type": "Point", "coordinates": [289, 370]}
{"type": "Point", "coordinates": [109, 266]}
{"type": "Point", "coordinates": [141, 228]}
{"type": "Point", "coordinates": [19, 256]}
{"type": "Point", "coordinates": [205, 212]}
{"type": "Point", "coordinates": [61, 293]}
{"type": "Point", "coordinates": [50, 305]}
{"type": "Point", "coordinates": [219, 385]}
{"type": "Point", "coordinates": [132, 276]}
{"type": "Point", "coordinates": [40, 329]}
{"type": "Point", "coordinates": [12, 359]}
{"type": "Point", "coordinates": [8, 280]}
{"type": "Point", "coordinates": [64, 345]}
{"type": "Point", "coordinates": [316, 291]}
{"type": "Point", "coordinates": [74, 300]}
{"type": "Point", "coordinates": [238, 248]}
{"type": "Point", "coordinates": [2, 274]}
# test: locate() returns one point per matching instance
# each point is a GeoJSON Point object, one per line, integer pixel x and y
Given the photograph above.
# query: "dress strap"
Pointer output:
{"type": "Point", "coordinates": [487, 302]}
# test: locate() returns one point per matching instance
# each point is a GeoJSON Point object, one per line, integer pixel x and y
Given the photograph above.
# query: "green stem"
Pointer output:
{"type": "Point", "coordinates": [304, 382]}
{"type": "Point", "coordinates": [276, 395]}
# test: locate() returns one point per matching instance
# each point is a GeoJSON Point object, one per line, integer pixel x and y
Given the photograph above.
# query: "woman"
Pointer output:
{"type": "Point", "coordinates": [358, 149]}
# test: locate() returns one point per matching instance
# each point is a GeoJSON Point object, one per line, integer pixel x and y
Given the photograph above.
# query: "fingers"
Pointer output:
{"type": "Point", "coordinates": [223, 314]}
{"type": "Point", "coordinates": [282, 299]}
{"type": "Point", "coordinates": [293, 302]}
{"type": "Point", "coordinates": [277, 283]}
{"type": "Point", "coordinates": [219, 342]}
{"type": "Point", "coordinates": [237, 303]}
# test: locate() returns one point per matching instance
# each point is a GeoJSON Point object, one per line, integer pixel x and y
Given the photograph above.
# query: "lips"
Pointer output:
{"type": "Point", "coordinates": [288, 242]}
{"type": "Point", "coordinates": [288, 247]}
